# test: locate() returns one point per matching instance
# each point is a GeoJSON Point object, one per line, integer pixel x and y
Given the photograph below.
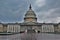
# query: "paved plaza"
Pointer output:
{"type": "Point", "coordinates": [29, 37]}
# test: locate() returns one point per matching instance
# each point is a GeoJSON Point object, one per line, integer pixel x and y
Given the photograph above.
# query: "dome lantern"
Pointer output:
{"type": "Point", "coordinates": [30, 6]}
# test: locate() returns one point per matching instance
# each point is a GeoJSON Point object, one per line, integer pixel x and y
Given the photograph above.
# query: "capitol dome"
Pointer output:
{"type": "Point", "coordinates": [30, 16]}
{"type": "Point", "coordinates": [30, 13]}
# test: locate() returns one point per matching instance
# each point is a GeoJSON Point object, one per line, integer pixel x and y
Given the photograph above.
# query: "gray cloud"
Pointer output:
{"type": "Point", "coordinates": [48, 12]}
{"type": "Point", "coordinates": [14, 10]}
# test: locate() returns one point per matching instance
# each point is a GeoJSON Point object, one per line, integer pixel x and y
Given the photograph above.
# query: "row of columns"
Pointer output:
{"type": "Point", "coordinates": [13, 28]}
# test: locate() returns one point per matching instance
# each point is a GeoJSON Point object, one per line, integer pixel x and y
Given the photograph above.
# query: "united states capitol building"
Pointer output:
{"type": "Point", "coordinates": [30, 22]}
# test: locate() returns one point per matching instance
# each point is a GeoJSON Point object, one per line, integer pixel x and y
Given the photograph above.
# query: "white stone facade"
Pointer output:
{"type": "Point", "coordinates": [1, 27]}
{"type": "Point", "coordinates": [58, 29]}
{"type": "Point", "coordinates": [13, 28]}
{"type": "Point", "coordinates": [47, 28]}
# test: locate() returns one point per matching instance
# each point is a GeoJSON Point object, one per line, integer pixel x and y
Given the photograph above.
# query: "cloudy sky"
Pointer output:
{"type": "Point", "coordinates": [14, 10]}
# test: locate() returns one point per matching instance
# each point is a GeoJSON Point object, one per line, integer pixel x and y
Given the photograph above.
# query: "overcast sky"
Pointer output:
{"type": "Point", "coordinates": [14, 10]}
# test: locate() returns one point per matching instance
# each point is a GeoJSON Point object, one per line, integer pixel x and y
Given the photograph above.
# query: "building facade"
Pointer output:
{"type": "Point", "coordinates": [30, 23]}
